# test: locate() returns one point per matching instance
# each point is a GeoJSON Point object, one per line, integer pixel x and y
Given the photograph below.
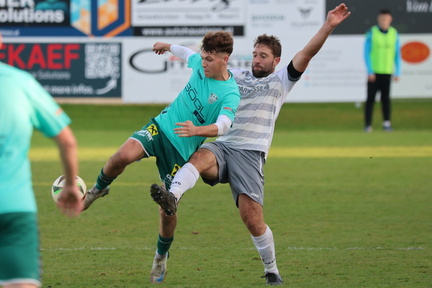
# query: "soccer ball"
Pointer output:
{"type": "Point", "coordinates": [58, 184]}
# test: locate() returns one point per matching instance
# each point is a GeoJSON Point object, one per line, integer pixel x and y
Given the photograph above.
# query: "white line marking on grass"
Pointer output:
{"type": "Point", "coordinates": [219, 248]}
{"type": "Point", "coordinates": [356, 248]}
{"type": "Point", "coordinates": [351, 152]}
{"type": "Point", "coordinates": [94, 249]}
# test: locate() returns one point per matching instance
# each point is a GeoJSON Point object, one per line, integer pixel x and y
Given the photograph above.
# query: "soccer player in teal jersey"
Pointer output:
{"type": "Point", "coordinates": [204, 108]}
{"type": "Point", "coordinates": [25, 105]}
{"type": "Point", "coordinates": [205, 97]}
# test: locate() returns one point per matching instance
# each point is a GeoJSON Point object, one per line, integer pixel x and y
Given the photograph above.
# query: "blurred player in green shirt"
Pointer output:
{"type": "Point", "coordinates": [24, 106]}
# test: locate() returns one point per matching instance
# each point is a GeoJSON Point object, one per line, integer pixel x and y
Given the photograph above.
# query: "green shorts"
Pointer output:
{"type": "Point", "coordinates": [156, 144]}
{"type": "Point", "coordinates": [19, 249]}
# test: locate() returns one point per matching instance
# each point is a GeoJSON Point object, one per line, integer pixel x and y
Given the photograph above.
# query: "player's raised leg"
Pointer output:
{"type": "Point", "coordinates": [128, 153]}
{"type": "Point", "coordinates": [165, 199]}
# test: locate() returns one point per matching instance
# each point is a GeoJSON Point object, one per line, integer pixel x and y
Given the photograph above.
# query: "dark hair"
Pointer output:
{"type": "Point", "coordinates": [217, 42]}
{"type": "Point", "coordinates": [384, 11]}
{"type": "Point", "coordinates": [270, 41]}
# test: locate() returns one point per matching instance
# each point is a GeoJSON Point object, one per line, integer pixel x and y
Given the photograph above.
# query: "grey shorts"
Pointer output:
{"type": "Point", "coordinates": [242, 169]}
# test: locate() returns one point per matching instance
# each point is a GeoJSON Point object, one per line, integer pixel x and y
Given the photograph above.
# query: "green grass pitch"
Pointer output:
{"type": "Point", "coordinates": [347, 208]}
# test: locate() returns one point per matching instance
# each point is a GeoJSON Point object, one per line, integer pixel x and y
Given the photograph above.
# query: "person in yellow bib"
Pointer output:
{"type": "Point", "coordinates": [382, 57]}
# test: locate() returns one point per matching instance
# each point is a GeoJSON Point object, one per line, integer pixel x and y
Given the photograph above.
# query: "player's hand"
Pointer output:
{"type": "Point", "coordinates": [186, 129]}
{"type": "Point", "coordinates": [71, 201]}
{"type": "Point", "coordinates": [160, 48]}
{"type": "Point", "coordinates": [337, 15]}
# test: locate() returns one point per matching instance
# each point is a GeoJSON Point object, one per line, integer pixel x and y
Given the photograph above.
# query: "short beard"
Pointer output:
{"type": "Point", "coordinates": [260, 73]}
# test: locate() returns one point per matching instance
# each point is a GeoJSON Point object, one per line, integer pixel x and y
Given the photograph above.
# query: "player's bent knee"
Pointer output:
{"type": "Point", "coordinates": [205, 162]}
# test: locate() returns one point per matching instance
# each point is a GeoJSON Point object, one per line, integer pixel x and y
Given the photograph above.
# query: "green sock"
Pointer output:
{"type": "Point", "coordinates": [164, 244]}
{"type": "Point", "coordinates": [103, 180]}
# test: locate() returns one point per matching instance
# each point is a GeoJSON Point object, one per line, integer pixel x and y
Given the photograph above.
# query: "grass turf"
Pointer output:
{"type": "Point", "coordinates": [347, 208]}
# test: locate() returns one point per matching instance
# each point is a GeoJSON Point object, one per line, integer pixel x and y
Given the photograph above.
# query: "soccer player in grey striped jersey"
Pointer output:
{"type": "Point", "coordinates": [238, 156]}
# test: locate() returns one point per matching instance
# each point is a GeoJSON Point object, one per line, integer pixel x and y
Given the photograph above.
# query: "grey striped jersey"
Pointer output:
{"type": "Point", "coordinates": [260, 104]}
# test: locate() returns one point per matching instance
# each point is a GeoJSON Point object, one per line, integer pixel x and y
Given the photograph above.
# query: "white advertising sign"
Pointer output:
{"type": "Point", "coordinates": [130, 72]}
{"type": "Point", "coordinates": [336, 74]}
{"type": "Point", "coordinates": [187, 12]}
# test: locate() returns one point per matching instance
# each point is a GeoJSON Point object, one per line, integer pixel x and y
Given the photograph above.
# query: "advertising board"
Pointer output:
{"type": "Point", "coordinates": [108, 44]}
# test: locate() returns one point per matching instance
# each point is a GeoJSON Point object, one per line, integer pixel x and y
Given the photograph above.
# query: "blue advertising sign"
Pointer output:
{"type": "Point", "coordinates": [64, 18]}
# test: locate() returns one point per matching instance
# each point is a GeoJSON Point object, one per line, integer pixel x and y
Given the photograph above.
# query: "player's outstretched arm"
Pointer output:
{"type": "Point", "coordinates": [180, 51]}
{"type": "Point", "coordinates": [160, 48]}
{"type": "Point", "coordinates": [71, 201]}
{"type": "Point", "coordinates": [334, 18]}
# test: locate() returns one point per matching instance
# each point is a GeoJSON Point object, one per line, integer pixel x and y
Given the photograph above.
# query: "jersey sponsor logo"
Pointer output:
{"type": "Point", "coordinates": [152, 129]}
{"type": "Point", "coordinates": [227, 108]}
{"type": "Point", "coordinates": [145, 134]}
{"type": "Point", "coordinates": [193, 96]}
{"type": "Point", "coordinates": [212, 98]}
{"type": "Point", "coordinates": [200, 75]}
{"type": "Point", "coordinates": [169, 177]}
{"type": "Point", "coordinates": [167, 180]}
{"type": "Point", "coordinates": [175, 169]}
{"type": "Point", "coordinates": [199, 116]}
{"type": "Point", "coordinates": [256, 88]}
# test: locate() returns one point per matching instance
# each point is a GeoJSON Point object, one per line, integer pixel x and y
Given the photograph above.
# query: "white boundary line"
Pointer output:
{"type": "Point", "coordinates": [218, 248]}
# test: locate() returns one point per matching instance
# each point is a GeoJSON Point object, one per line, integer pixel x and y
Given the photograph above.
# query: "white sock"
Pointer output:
{"type": "Point", "coordinates": [266, 249]}
{"type": "Point", "coordinates": [387, 123]}
{"type": "Point", "coordinates": [160, 257]}
{"type": "Point", "coordinates": [184, 180]}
